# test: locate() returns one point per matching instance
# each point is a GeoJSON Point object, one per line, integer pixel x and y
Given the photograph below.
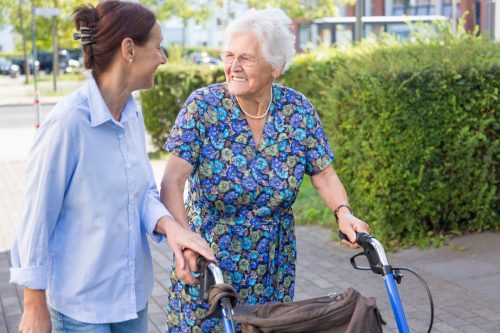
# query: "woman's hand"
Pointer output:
{"type": "Point", "coordinates": [185, 273]}
{"type": "Point", "coordinates": [181, 240]}
{"type": "Point", "coordinates": [36, 317]}
{"type": "Point", "coordinates": [349, 225]}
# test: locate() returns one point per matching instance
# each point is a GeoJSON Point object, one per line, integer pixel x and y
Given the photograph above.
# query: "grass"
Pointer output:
{"type": "Point", "coordinates": [60, 77]}
{"type": "Point", "coordinates": [158, 155]}
{"type": "Point", "coordinates": [309, 208]}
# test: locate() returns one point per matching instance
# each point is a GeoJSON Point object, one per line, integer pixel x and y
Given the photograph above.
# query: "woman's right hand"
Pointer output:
{"type": "Point", "coordinates": [36, 317]}
{"type": "Point", "coordinates": [185, 273]}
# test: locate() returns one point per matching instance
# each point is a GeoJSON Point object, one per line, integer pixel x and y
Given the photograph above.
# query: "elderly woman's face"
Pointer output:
{"type": "Point", "coordinates": [248, 79]}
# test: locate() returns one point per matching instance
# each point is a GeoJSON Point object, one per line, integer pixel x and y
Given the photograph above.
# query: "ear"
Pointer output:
{"type": "Point", "coordinates": [277, 72]}
{"type": "Point", "coordinates": [128, 49]}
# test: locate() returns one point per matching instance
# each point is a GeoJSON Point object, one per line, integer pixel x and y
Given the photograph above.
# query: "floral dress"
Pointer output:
{"type": "Point", "coordinates": [240, 196]}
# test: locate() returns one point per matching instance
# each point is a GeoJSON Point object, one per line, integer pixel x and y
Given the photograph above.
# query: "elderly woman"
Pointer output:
{"type": "Point", "coordinates": [246, 145]}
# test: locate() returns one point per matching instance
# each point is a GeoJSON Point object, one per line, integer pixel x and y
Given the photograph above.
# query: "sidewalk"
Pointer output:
{"type": "Point", "coordinates": [464, 277]}
{"type": "Point", "coordinates": [15, 92]}
{"type": "Point", "coordinates": [464, 284]}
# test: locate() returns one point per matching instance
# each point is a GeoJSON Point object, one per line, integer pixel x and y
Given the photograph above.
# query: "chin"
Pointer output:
{"type": "Point", "coordinates": [235, 90]}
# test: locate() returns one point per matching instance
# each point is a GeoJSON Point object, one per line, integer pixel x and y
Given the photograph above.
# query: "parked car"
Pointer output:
{"type": "Point", "coordinates": [201, 58]}
{"type": "Point", "coordinates": [8, 68]}
{"type": "Point", "coordinates": [66, 61]}
{"type": "Point", "coordinates": [20, 63]}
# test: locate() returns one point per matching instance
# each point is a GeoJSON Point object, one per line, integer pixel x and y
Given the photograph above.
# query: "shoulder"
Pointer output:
{"type": "Point", "coordinates": [70, 112]}
{"type": "Point", "coordinates": [291, 96]}
{"type": "Point", "coordinates": [204, 100]}
{"type": "Point", "coordinates": [209, 93]}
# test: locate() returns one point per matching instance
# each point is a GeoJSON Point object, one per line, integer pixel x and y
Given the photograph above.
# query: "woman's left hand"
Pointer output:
{"type": "Point", "coordinates": [349, 225]}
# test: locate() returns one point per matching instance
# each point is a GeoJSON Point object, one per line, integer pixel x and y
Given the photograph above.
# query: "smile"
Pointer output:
{"type": "Point", "coordinates": [238, 79]}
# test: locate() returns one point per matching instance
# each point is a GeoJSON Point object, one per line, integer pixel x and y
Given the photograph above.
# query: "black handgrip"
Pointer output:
{"type": "Point", "coordinates": [206, 278]}
{"type": "Point", "coordinates": [201, 264]}
{"type": "Point", "coordinates": [343, 236]}
{"type": "Point", "coordinates": [361, 237]}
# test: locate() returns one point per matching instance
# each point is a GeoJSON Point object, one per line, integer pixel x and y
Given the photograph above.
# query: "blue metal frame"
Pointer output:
{"type": "Point", "coordinates": [378, 264]}
{"type": "Point", "coordinates": [228, 323]}
{"type": "Point", "coordinates": [397, 306]}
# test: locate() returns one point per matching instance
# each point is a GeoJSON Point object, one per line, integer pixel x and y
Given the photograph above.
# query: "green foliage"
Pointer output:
{"type": "Point", "coordinates": [173, 85]}
{"type": "Point", "coordinates": [299, 9]}
{"type": "Point", "coordinates": [199, 10]}
{"type": "Point", "coordinates": [10, 11]}
{"type": "Point", "coordinates": [415, 132]}
{"type": "Point", "coordinates": [414, 127]}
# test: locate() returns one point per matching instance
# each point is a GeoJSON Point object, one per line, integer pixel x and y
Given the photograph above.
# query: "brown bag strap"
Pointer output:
{"type": "Point", "coordinates": [215, 294]}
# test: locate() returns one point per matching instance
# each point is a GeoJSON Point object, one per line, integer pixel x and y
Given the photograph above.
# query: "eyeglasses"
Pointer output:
{"type": "Point", "coordinates": [246, 60]}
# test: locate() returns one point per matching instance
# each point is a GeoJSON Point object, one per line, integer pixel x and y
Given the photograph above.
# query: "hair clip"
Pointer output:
{"type": "Point", "coordinates": [85, 33]}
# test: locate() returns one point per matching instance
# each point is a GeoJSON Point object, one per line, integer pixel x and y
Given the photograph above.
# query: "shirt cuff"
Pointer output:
{"type": "Point", "coordinates": [31, 277]}
{"type": "Point", "coordinates": [156, 210]}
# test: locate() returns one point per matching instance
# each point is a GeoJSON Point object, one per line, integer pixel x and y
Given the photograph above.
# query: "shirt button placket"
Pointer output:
{"type": "Point", "coordinates": [131, 266]}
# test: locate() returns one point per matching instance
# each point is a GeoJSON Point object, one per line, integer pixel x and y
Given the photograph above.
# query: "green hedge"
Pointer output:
{"type": "Point", "coordinates": [415, 131]}
{"type": "Point", "coordinates": [173, 86]}
{"type": "Point", "coordinates": [414, 128]}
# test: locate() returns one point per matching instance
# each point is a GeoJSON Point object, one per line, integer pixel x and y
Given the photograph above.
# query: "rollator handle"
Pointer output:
{"type": "Point", "coordinates": [206, 278]}
{"type": "Point", "coordinates": [361, 237]}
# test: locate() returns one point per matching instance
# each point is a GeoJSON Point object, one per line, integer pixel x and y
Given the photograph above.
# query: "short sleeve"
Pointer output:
{"type": "Point", "coordinates": [319, 155]}
{"type": "Point", "coordinates": [184, 139]}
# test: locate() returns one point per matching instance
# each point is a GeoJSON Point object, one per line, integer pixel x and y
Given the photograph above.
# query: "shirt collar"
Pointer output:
{"type": "Point", "coordinates": [99, 112]}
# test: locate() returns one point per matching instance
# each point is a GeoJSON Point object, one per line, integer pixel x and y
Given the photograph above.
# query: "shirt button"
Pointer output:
{"type": "Point", "coordinates": [120, 136]}
{"type": "Point", "coordinates": [128, 165]}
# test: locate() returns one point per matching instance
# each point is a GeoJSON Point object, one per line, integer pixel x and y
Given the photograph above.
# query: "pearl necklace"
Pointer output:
{"type": "Point", "coordinates": [257, 117]}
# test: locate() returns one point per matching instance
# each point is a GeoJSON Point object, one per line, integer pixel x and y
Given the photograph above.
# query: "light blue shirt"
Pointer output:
{"type": "Point", "coordinates": [91, 201]}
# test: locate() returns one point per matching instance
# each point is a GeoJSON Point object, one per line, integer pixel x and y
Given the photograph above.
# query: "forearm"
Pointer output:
{"type": "Point", "coordinates": [172, 196]}
{"type": "Point", "coordinates": [331, 190]}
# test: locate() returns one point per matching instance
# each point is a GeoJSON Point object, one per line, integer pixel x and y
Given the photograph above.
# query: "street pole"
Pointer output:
{"type": "Point", "coordinates": [35, 69]}
{"type": "Point", "coordinates": [358, 26]}
{"type": "Point", "coordinates": [23, 35]}
{"type": "Point", "coordinates": [454, 16]}
{"type": "Point", "coordinates": [497, 19]}
{"type": "Point", "coordinates": [55, 54]}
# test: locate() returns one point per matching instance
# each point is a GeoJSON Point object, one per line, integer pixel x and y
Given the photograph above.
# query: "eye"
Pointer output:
{"type": "Point", "coordinates": [247, 58]}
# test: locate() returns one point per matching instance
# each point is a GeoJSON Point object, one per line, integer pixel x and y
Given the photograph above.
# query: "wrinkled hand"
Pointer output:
{"type": "Point", "coordinates": [349, 225]}
{"type": "Point", "coordinates": [185, 273]}
{"type": "Point", "coordinates": [36, 317]}
{"type": "Point", "coordinates": [182, 240]}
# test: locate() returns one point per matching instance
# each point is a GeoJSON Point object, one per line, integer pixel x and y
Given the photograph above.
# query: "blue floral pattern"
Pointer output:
{"type": "Point", "coordinates": [240, 195]}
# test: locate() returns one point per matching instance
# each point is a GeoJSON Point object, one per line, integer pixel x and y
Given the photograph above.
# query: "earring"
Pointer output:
{"type": "Point", "coordinates": [130, 60]}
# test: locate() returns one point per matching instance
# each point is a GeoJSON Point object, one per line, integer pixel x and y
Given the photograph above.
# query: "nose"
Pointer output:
{"type": "Point", "coordinates": [236, 65]}
{"type": "Point", "coordinates": [163, 57]}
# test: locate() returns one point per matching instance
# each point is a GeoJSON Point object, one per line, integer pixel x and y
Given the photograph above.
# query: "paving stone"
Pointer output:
{"type": "Point", "coordinates": [322, 267]}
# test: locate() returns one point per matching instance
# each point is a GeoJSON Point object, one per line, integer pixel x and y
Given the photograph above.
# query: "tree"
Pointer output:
{"type": "Point", "coordinates": [198, 10]}
{"type": "Point", "coordinates": [302, 9]}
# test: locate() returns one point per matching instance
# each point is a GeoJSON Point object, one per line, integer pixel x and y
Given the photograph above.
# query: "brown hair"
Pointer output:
{"type": "Point", "coordinates": [108, 24]}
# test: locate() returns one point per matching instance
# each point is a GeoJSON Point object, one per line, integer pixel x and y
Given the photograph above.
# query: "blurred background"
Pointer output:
{"type": "Point", "coordinates": [193, 29]}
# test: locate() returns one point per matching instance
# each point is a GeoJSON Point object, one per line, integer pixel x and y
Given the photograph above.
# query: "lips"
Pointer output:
{"type": "Point", "coordinates": [238, 79]}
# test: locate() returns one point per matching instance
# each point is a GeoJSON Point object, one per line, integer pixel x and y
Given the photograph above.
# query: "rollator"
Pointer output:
{"type": "Point", "coordinates": [348, 312]}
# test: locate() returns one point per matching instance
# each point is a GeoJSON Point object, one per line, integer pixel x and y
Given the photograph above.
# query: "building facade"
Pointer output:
{"type": "Point", "coordinates": [392, 16]}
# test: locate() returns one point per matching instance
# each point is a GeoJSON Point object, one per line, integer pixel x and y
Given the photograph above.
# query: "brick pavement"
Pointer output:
{"type": "Point", "coordinates": [323, 267]}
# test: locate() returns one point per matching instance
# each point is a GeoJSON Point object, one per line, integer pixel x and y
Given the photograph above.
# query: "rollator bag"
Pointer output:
{"type": "Point", "coordinates": [349, 312]}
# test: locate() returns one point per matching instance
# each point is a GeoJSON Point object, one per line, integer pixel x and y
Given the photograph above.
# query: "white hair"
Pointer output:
{"type": "Point", "coordinates": [271, 27]}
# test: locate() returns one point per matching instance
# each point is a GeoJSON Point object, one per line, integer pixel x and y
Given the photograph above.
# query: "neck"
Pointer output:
{"type": "Point", "coordinates": [114, 91]}
{"type": "Point", "coordinates": [256, 106]}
